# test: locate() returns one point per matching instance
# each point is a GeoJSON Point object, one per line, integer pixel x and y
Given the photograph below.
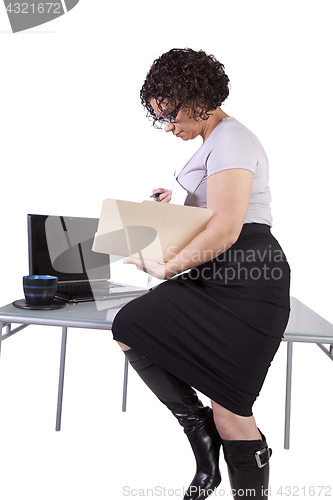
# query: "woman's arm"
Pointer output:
{"type": "Point", "coordinates": [228, 195]}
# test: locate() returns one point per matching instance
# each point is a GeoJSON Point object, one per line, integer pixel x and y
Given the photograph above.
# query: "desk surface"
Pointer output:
{"type": "Point", "coordinates": [304, 324]}
{"type": "Point", "coordinates": [92, 314]}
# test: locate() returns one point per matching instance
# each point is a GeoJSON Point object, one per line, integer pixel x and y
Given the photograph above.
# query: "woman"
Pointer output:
{"type": "Point", "coordinates": [218, 326]}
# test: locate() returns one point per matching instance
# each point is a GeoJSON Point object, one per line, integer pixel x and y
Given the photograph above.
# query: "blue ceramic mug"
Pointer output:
{"type": "Point", "coordinates": [39, 289]}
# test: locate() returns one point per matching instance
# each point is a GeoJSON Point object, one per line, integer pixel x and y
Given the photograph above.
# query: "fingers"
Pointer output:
{"type": "Point", "coordinates": [164, 195]}
{"type": "Point", "coordinates": [159, 190]}
{"type": "Point", "coordinates": [131, 260]}
{"type": "Point", "coordinates": [151, 267]}
{"type": "Point", "coordinates": [137, 262]}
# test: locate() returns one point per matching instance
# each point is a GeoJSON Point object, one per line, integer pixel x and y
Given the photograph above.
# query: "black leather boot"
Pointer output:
{"type": "Point", "coordinates": [248, 468]}
{"type": "Point", "coordinates": [197, 421]}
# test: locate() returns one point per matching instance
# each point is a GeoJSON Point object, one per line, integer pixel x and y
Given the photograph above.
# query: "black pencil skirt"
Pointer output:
{"type": "Point", "coordinates": [218, 326]}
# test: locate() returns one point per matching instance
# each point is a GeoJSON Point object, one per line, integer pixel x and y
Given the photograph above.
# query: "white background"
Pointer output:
{"type": "Point", "coordinates": [73, 132]}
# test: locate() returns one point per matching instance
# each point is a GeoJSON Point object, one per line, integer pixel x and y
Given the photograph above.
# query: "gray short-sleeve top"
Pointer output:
{"type": "Point", "coordinates": [230, 145]}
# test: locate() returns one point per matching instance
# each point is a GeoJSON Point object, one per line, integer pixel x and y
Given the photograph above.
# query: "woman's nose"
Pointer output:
{"type": "Point", "coordinates": [168, 127]}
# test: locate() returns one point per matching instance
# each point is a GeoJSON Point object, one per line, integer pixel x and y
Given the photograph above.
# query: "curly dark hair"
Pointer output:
{"type": "Point", "coordinates": [185, 77]}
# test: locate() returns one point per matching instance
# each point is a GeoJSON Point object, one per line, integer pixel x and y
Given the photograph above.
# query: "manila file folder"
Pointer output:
{"type": "Point", "coordinates": [147, 230]}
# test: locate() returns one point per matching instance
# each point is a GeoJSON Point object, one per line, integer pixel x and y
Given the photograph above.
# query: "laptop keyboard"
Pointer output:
{"type": "Point", "coordinates": [73, 288]}
{"type": "Point", "coordinates": [83, 287]}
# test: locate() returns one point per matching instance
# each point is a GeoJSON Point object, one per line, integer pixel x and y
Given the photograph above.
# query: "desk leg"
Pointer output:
{"type": "Point", "coordinates": [288, 396]}
{"type": "Point", "coordinates": [125, 384]}
{"type": "Point", "coordinates": [61, 377]}
{"type": "Point", "coordinates": [1, 326]}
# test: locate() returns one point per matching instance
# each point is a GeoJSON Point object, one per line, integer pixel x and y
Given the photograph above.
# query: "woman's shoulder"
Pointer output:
{"type": "Point", "coordinates": [231, 127]}
{"type": "Point", "coordinates": [231, 133]}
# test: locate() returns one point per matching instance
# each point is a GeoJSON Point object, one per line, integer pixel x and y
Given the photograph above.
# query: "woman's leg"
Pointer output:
{"type": "Point", "coordinates": [124, 347]}
{"type": "Point", "coordinates": [246, 453]}
{"type": "Point", "coordinates": [232, 426]}
{"type": "Point", "coordinates": [196, 420]}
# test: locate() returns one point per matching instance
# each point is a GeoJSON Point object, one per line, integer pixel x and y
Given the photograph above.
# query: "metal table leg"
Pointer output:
{"type": "Point", "coordinates": [125, 384]}
{"type": "Point", "coordinates": [9, 332]}
{"type": "Point", "coordinates": [61, 377]}
{"type": "Point", "coordinates": [1, 325]}
{"type": "Point", "coordinates": [288, 396]}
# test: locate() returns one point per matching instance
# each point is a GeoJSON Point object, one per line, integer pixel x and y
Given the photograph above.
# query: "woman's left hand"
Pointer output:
{"type": "Point", "coordinates": [151, 267]}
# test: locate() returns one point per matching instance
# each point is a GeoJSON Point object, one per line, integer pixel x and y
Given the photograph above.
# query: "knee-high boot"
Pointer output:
{"type": "Point", "coordinates": [196, 420]}
{"type": "Point", "coordinates": [248, 467]}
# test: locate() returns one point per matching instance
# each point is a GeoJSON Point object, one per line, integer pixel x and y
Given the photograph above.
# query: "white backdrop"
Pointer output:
{"type": "Point", "coordinates": [73, 132]}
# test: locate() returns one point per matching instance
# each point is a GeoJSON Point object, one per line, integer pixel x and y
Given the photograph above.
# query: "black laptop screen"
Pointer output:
{"type": "Point", "coordinates": [61, 246]}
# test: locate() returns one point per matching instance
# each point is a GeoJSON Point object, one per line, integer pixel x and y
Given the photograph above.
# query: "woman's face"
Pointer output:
{"type": "Point", "coordinates": [184, 127]}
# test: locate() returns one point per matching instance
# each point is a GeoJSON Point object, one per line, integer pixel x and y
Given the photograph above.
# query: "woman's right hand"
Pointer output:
{"type": "Point", "coordinates": [165, 194]}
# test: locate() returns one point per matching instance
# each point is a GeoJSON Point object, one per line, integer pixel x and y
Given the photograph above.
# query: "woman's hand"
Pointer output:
{"type": "Point", "coordinates": [165, 194]}
{"type": "Point", "coordinates": [148, 266]}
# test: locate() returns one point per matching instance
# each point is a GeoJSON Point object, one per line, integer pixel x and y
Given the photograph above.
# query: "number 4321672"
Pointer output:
{"type": "Point", "coordinates": [34, 8]}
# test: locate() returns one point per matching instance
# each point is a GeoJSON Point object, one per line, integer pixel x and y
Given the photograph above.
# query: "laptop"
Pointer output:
{"type": "Point", "coordinates": [61, 246]}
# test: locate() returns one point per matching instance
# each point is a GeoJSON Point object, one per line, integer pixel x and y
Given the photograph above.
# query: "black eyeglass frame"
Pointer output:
{"type": "Point", "coordinates": [171, 117]}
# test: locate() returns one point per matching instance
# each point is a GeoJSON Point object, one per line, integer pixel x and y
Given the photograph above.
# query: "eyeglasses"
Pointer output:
{"type": "Point", "coordinates": [171, 117]}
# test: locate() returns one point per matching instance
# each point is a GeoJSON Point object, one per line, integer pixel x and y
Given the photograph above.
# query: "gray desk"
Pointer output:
{"type": "Point", "coordinates": [304, 326]}
{"type": "Point", "coordinates": [84, 315]}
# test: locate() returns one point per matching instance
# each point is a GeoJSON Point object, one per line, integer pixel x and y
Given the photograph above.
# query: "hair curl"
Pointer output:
{"type": "Point", "coordinates": [185, 77]}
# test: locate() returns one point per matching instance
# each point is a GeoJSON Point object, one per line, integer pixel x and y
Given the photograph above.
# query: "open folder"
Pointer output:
{"type": "Point", "coordinates": [148, 230]}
